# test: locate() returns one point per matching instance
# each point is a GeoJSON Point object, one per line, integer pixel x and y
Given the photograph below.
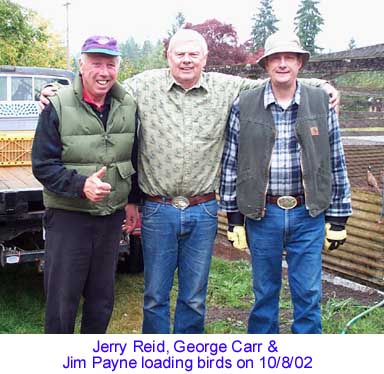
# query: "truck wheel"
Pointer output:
{"type": "Point", "coordinates": [131, 261]}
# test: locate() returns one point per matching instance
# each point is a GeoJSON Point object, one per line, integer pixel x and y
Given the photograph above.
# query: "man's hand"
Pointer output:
{"type": "Point", "coordinates": [334, 96]}
{"type": "Point", "coordinates": [236, 235]}
{"type": "Point", "coordinates": [132, 222]}
{"type": "Point", "coordinates": [94, 188]}
{"type": "Point", "coordinates": [46, 92]}
{"type": "Point", "coordinates": [335, 236]}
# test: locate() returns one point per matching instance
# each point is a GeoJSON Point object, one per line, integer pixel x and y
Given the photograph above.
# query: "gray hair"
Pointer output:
{"type": "Point", "coordinates": [187, 35]}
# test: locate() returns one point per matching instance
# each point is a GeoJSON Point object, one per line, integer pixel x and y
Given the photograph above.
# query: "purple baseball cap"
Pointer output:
{"type": "Point", "coordinates": [101, 44]}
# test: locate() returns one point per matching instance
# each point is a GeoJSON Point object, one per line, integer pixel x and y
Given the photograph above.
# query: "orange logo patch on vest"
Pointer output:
{"type": "Point", "coordinates": [314, 131]}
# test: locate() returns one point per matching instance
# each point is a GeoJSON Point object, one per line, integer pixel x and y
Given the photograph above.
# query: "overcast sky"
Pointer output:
{"type": "Point", "coordinates": [144, 19]}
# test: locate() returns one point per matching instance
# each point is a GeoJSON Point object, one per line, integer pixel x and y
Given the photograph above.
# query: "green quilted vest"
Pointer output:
{"type": "Point", "coordinates": [87, 147]}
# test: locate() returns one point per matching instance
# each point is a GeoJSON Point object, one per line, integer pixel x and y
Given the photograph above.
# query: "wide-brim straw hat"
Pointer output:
{"type": "Point", "coordinates": [283, 42]}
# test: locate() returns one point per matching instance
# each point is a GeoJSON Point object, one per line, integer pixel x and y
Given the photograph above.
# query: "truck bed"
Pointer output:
{"type": "Point", "coordinates": [20, 192]}
{"type": "Point", "coordinates": [17, 178]}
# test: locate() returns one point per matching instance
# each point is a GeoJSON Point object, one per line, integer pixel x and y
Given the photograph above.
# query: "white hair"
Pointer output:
{"type": "Point", "coordinates": [188, 35]}
{"type": "Point", "coordinates": [83, 57]}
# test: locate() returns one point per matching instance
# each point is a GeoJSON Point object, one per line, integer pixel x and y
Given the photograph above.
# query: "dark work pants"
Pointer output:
{"type": "Point", "coordinates": [80, 260]}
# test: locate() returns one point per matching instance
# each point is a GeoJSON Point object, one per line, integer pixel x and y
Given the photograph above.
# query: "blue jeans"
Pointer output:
{"type": "Point", "coordinates": [302, 237]}
{"type": "Point", "coordinates": [177, 239]}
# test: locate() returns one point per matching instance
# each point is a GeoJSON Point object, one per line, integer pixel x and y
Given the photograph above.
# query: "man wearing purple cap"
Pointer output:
{"type": "Point", "coordinates": [82, 155]}
{"type": "Point", "coordinates": [284, 170]}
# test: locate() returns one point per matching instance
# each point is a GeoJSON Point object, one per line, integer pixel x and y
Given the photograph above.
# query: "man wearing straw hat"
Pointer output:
{"type": "Point", "coordinates": [284, 170]}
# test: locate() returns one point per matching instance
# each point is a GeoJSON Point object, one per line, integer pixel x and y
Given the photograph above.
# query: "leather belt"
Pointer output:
{"type": "Point", "coordinates": [285, 202]}
{"type": "Point", "coordinates": [181, 202]}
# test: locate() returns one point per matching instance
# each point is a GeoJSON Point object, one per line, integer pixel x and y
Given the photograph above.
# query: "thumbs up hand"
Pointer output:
{"type": "Point", "coordinates": [94, 188]}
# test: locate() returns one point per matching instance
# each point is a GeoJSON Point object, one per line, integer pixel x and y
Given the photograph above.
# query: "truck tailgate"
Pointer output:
{"type": "Point", "coordinates": [20, 192]}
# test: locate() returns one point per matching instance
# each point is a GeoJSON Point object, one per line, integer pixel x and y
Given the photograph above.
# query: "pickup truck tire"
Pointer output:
{"type": "Point", "coordinates": [132, 262]}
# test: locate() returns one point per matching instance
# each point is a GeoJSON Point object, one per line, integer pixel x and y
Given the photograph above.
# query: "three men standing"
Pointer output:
{"type": "Point", "coordinates": [182, 113]}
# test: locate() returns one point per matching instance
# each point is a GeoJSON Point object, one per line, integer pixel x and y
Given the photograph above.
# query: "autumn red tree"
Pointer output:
{"type": "Point", "coordinates": [222, 40]}
{"type": "Point", "coordinates": [252, 55]}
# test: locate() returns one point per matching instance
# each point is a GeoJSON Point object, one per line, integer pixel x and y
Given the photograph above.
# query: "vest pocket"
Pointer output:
{"type": "Point", "coordinates": [123, 179]}
{"type": "Point", "coordinates": [125, 169]}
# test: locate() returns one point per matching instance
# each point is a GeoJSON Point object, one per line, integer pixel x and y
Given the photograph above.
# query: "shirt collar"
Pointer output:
{"type": "Point", "coordinates": [269, 98]}
{"type": "Point", "coordinates": [202, 82]}
{"type": "Point", "coordinates": [90, 101]}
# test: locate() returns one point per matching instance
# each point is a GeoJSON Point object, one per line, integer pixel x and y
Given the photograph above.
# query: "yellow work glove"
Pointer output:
{"type": "Point", "coordinates": [236, 235]}
{"type": "Point", "coordinates": [334, 236]}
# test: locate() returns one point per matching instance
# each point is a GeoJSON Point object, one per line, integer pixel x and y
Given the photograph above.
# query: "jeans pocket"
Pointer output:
{"type": "Point", "coordinates": [149, 210]}
{"type": "Point", "coordinates": [211, 208]}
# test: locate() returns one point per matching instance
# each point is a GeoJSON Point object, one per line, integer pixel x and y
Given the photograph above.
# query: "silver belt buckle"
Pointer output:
{"type": "Point", "coordinates": [180, 202]}
{"type": "Point", "coordinates": [286, 202]}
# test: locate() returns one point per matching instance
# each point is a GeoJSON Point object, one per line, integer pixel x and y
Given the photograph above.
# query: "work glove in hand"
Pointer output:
{"type": "Point", "coordinates": [236, 235]}
{"type": "Point", "coordinates": [335, 236]}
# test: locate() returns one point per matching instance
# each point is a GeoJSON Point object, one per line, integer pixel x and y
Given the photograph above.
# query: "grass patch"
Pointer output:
{"type": "Point", "coordinates": [336, 314]}
{"type": "Point", "coordinates": [226, 326]}
{"type": "Point", "coordinates": [229, 301]}
{"type": "Point", "coordinates": [230, 284]}
{"type": "Point", "coordinates": [127, 313]}
{"type": "Point", "coordinates": [21, 300]}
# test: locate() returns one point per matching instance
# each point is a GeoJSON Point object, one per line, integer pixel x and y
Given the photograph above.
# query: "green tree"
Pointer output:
{"type": "Point", "coordinates": [178, 24]}
{"type": "Point", "coordinates": [152, 56]}
{"type": "Point", "coordinates": [130, 49]}
{"type": "Point", "coordinates": [136, 59]}
{"type": "Point", "coordinates": [147, 49]}
{"type": "Point", "coordinates": [352, 43]}
{"type": "Point", "coordinates": [308, 22]}
{"type": "Point", "coordinates": [25, 40]}
{"type": "Point", "coordinates": [264, 24]}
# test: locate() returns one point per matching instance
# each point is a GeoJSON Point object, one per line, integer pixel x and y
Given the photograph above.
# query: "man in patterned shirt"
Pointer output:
{"type": "Point", "coordinates": [284, 169]}
{"type": "Point", "coordinates": [182, 114]}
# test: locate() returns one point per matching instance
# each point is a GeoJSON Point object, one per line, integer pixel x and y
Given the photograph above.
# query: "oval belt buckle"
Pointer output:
{"type": "Point", "coordinates": [180, 202]}
{"type": "Point", "coordinates": [286, 202]}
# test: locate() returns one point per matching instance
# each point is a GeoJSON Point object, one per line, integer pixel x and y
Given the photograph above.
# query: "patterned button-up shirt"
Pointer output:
{"type": "Point", "coordinates": [182, 132]}
{"type": "Point", "coordinates": [285, 173]}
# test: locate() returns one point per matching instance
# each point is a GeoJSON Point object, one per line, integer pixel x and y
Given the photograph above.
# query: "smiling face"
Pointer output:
{"type": "Point", "coordinates": [99, 73]}
{"type": "Point", "coordinates": [283, 67]}
{"type": "Point", "coordinates": [186, 60]}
